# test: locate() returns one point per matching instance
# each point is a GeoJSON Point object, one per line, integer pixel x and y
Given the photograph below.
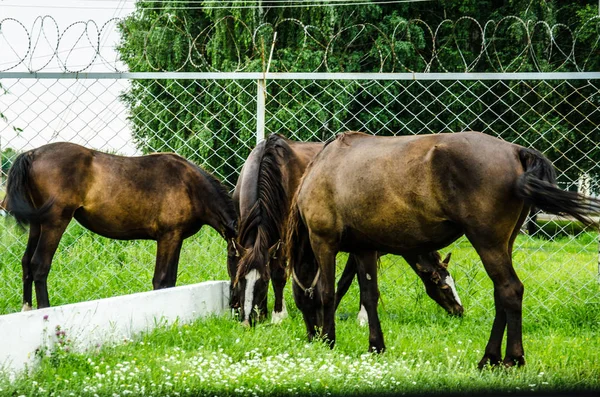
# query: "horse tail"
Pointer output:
{"type": "Point", "coordinates": [537, 187]}
{"type": "Point", "coordinates": [19, 201]}
{"type": "Point", "coordinates": [297, 244]}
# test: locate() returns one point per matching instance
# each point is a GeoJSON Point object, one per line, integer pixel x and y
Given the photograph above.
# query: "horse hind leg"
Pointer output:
{"type": "Point", "coordinates": [508, 300]}
{"type": "Point", "coordinates": [49, 238]}
{"type": "Point", "coordinates": [32, 242]}
{"type": "Point", "coordinates": [168, 249]}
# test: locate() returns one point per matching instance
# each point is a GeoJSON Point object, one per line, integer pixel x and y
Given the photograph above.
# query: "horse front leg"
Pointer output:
{"type": "Point", "coordinates": [168, 249]}
{"type": "Point", "coordinates": [278, 280]}
{"type": "Point", "coordinates": [325, 256]}
{"type": "Point", "coordinates": [32, 242]}
{"type": "Point", "coordinates": [369, 297]}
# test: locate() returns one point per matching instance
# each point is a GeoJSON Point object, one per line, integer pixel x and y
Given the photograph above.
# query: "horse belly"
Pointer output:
{"type": "Point", "coordinates": [401, 235]}
{"type": "Point", "coordinates": [117, 225]}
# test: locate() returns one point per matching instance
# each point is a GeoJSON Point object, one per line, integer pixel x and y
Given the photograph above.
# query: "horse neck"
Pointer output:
{"type": "Point", "coordinates": [219, 211]}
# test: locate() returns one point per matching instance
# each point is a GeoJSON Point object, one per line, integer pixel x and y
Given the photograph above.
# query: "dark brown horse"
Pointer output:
{"type": "Point", "coordinates": [160, 197]}
{"type": "Point", "coordinates": [413, 194]}
{"type": "Point", "coordinates": [262, 197]}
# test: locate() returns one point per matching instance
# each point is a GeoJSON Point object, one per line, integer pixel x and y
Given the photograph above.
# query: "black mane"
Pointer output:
{"type": "Point", "coordinates": [267, 215]}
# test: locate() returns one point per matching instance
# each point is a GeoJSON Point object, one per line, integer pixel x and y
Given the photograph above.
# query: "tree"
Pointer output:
{"type": "Point", "coordinates": [190, 117]}
{"type": "Point", "coordinates": [7, 157]}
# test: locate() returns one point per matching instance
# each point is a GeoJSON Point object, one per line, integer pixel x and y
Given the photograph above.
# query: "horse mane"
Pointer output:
{"type": "Point", "coordinates": [268, 214]}
{"type": "Point", "coordinates": [345, 137]}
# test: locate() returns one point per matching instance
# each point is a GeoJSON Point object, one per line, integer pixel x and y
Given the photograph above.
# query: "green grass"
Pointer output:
{"type": "Point", "coordinates": [218, 357]}
{"type": "Point", "coordinates": [87, 266]}
{"type": "Point", "coordinates": [428, 351]}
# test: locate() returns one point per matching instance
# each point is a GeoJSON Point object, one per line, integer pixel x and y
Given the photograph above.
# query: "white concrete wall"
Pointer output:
{"type": "Point", "coordinates": [106, 320]}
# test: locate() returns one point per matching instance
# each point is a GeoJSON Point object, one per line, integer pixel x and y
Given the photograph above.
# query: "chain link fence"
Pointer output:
{"type": "Point", "coordinates": [215, 119]}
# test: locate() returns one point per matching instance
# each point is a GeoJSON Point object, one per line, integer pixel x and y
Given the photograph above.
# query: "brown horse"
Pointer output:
{"type": "Point", "coordinates": [412, 194]}
{"type": "Point", "coordinates": [262, 197]}
{"type": "Point", "coordinates": [160, 197]}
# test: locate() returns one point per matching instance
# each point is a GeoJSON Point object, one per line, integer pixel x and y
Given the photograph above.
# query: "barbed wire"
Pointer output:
{"type": "Point", "coordinates": [510, 44]}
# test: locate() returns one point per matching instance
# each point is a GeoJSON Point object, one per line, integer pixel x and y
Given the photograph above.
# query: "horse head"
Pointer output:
{"type": "Point", "coordinates": [251, 280]}
{"type": "Point", "coordinates": [439, 284]}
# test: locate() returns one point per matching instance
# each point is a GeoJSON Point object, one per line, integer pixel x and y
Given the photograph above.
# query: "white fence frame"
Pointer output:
{"type": "Point", "coordinates": [263, 78]}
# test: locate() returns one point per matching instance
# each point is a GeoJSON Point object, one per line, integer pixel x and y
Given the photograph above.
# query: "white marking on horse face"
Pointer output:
{"type": "Point", "coordinates": [368, 277]}
{"type": "Point", "coordinates": [26, 307]}
{"type": "Point", "coordinates": [363, 317]}
{"type": "Point", "coordinates": [278, 317]}
{"type": "Point", "coordinates": [251, 279]}
{"type": "Point", "coordinates": [450, 282]}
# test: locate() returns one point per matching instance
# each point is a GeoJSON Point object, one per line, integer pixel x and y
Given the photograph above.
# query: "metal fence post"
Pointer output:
{"type": "Point", "coordinates": [261, 89]}
{"type": "Point", "coordinates": [261, 94]}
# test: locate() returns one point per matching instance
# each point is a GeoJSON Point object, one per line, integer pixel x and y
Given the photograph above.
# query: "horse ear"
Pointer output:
{"type": "Point", "coordinates": [446, 260]}
{"type": "Point", "coordinates": [273, 250]}
{"type": "Point", "coordinates": [239, 249]}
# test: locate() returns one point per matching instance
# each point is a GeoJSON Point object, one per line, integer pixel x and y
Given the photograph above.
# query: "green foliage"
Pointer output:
{"type": "Point", "coordinates": [7, 156]}
{"type": "Point", "coordinates": [427, 350]}
{"type": "Point", "coordinates": [213, 122]}
{"type": "Point", "coordinates": [217, 356]}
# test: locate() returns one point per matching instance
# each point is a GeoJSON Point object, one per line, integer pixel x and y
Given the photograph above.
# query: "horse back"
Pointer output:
{"type": "Point", "coordinates": [290, 158]}
{"type": "Point", "coordinates": [370, 187]}
{"type": "Point", "coordinates": [118, 196]}
{"type": "Point", "coordinates": [61, 171]}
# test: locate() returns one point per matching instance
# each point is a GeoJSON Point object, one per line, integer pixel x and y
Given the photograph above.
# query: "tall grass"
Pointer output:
{"type": "Point", "coordinates": [87, 266]}
{"type": "Point", "coordinates": [428, 351]}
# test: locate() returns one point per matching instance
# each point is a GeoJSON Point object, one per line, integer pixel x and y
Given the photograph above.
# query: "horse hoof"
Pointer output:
{"type": "Point", "coordinates": [362, 317]}
{"type": "Point", "coordinates": [488, 360]}
{"type": "Point", "coordinates": [514, 361]}
{"type": "Point", "coordinates": [26, 307]}
{"type": "Point", "coordinates": [278, 317]}
{"type": "Point", "coordinates": [246, 324]}
{"type": "Point", "coordinates": [377, 349]}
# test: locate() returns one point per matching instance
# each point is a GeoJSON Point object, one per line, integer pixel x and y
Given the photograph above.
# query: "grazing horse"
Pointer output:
{"type": "Point", "coordinates": [412, 194]}
{"type": "Point", "coordinates": [160, 197]}
{"type": "Point", "coordinates": [262, 197]}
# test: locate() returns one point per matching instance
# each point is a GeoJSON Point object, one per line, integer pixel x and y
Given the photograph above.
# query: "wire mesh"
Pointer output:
{"type": "Point", "coordinates": [213, 123]}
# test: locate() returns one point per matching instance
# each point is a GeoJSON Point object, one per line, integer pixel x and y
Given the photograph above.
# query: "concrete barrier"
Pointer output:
{"type": "Point", "coordinates": [88, 324]}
